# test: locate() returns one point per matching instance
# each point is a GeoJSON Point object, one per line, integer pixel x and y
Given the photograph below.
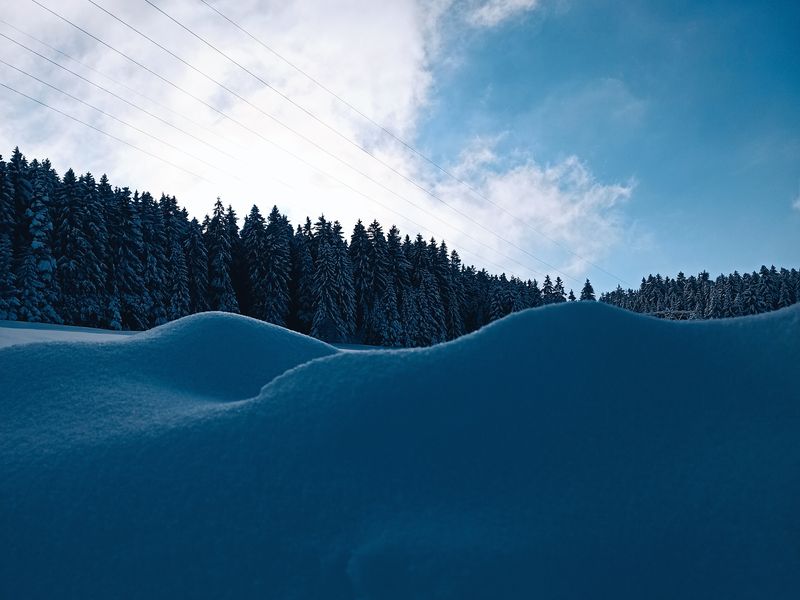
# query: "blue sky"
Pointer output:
{"type": "Point", "coordinates": [698, 102]}
{"type": "Point", "coordinates": [638, 137]}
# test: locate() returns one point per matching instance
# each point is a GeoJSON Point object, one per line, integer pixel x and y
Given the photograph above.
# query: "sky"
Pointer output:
{"type": "Point", "coordinates": [578, 138]}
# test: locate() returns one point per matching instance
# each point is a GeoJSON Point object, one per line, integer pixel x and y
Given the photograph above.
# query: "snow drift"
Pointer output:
{"type": "Point", "coordinates": [568, 452]}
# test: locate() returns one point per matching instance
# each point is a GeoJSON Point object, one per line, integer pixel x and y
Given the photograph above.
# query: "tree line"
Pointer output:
{"type": "Point", "coordinates": [78, 251]}
{"type": "Point", "coordinates": [700, 297]}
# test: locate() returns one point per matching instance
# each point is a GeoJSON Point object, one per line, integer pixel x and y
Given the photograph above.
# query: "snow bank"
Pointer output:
{"type": "Point", "coordinates": [14, 333]}
{"type": "Point", "coordinates": [568, 452]}
{"type": "Point", "coordinates": [64, 393]}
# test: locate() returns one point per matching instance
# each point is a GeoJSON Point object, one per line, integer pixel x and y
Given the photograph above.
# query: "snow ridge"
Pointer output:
{"type": "Point", "coordinates": [567, 452]}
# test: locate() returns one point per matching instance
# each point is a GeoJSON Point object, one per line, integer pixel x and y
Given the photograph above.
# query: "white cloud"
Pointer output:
{"type": "Point", "coordinates": [378, 55]}
{"type": "Point", "coordinates": [493, 12]}
{"type": "Point", "coordinates": [796, 203]}
{"type": "Point", "coordinates": [558, 213]}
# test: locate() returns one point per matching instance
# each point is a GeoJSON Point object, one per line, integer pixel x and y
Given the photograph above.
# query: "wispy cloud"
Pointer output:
{"type": "Point", "coordinates": [494, 12]}
{"type": "Point", "coordinates": [796, 203]}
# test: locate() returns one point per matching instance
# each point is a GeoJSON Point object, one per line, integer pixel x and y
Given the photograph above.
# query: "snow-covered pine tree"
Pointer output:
{"type": "Point", "coordinates": [153, 259]}
{"type": "Point", "coordinates": [112, 315]}
{"type": "Point", "coordinates": [455, 316]}
{"type": "Point", "coordinates": [176, 271]}
{"type": "Point", "coordinates": [327, 323]}
{"type": "Point", "coordinates": [344, 278]}
{"type": "Point", "coordinates": [400, 278]}
{"type": "Point", "coordinates": [558, 291]}
{"type": "Point", "coordinates": [301, 281]}
{"type": "Point", "coordinates": [240, 279]}
{"type": "Point", "coordinates": [534, 294]}
{"type": "Point", "coordinates": [548, 292]}
{"type": "Point", "coordinates": [587, 293]}
{"type": "Point", "coordinates": [41, 277]}
{"type": "Point", "coordinates": [21, 185]}
{"type": "Point", "coordinates": [383, 326]}
{"type": "Point", "coordinates": [126, 246]}
{"type": "Point", "coordinates": [362, 281]}
{"type": "Point", "coordinates": [75, 254]}
{"type": "Point", "coordinates": [254, 242]}
{"type": "Point", "coordinates": [277, 260]}
{"type": "Point", "coordinates": [9, 303]}
{"type": "Point", "coordinates": [432, 329]}
{"type": "Point", "coordinates": [571, 297]}
{"type": "Point", "coordinates": [220, 287]}
{"type": "Point", "coordinates": [95, 269]}
{"type": "Point", "coordinates": [197, 268]}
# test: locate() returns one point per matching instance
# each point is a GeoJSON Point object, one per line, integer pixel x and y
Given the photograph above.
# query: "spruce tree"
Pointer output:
{"type": "Point", "coordinates": [301, 281]}
{"type": "Point", "coordinates": [587, 293]}
{"type": "Point", "coordinates": [328, 322]}
{"type": "Point", "coordinates": [278, 266]}
{"type": "Point", "coordinates": [8, 289]}
{"type": "Point", "coordinates": [220, 287]}
{"type": "Point", "coordinates": [254, 242]}
{"type": "Point", "coordinates": [76, 257]}
{"type": "Point", "coordinates": [362, 281]}
{"type": "Point", "coordinates": [126, 246]}
{"type": "Point", "coordinates": [40, 285]}
{"type": "Point", "coordinates": [196, 268]}
{"type": "Point", "coordinates": [558, 291]}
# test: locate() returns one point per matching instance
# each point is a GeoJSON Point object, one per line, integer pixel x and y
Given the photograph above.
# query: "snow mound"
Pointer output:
{"type": "Point", "coordinates": [63, 392]}
{"type": "Point", "coordinates": [569, 452]}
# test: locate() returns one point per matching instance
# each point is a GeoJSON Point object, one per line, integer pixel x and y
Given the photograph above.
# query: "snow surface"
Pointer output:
{"type": "Point", "coordinates": [14, 333]}
{"type": "Point", "coordinates": [574, 451]}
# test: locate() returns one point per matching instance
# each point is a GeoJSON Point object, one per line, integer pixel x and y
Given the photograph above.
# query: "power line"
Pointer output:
{"type": "Point", "coordinates": [107, 114]}
{"type": "Point", "coordinates": [326, 125]}
{"type": "Point", "coordinates": [105, 133]}
{"type": "Point", "coordinates": [117, 96]}
{"type": "Point", "coordinates": [397, 138]}
{"type": "Point", "coordinates": [254, 132]}
{"type": "Point", "coordinates": [122, 84]}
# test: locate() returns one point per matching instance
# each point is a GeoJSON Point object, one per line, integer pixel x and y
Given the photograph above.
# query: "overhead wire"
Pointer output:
{"type": "Point", "coordinates": [122, 84]}
{"type": "Point", "coordinates": [401, 141]}
{"type": "Point", "coordinates": [350, 141]}
{"type": "Point", "coordinates": [122, 121]}
{"type": "Point", "coordinates": [110, 135]}
{"type": "Point", "coordinates": [278, 146]}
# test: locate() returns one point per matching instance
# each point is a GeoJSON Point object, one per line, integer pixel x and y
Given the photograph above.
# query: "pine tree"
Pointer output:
{"type": "Point", "coordinates": [587, 293]}
{"type": "Point", "coordinates": [277, 260]}
{"type": "Point", "coordinates": [240, 279]}
{"type": "Point", "coordinates": [455, 316]}
{"type": "Point", "coordinates": [301, 281]}
{"type": "Point", "coordinates": [94, 268]}
{"type": "Point", "coordinates": [362, 281]}
{"type": "Point", "coordinates": [127, 249]}
{"type": "Point", "coordinates": [383, 324]}
{"type": "Point", "coordinates": [8, 289]}
{"type": "Point", "coordinates": [328, 322]}
{"type": "Point", "coordinates": [76, 258]}
{"type": "Point", "coordinates": [220, 287]}
{"type": "Point", "coordinates": [571, 296]}
{"type": "Point", "coordinates": [558, 291]}
{"type": "Point", "coordinates": [196, 268]}
{"type": "Point", "coordinates": [254, 243]}
{"type": "Point", "coordinates": [400, 279]}
{"type": "Point", "coordinates": [548, 292]}
{"type": "Point", "coordinates": [38, 286]}
{"type": "Point", "coordinates": [19, 179]}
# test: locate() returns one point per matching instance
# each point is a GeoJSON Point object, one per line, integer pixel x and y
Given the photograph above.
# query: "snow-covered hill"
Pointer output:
{"type": "Point", "coordinates": [573, 451]}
